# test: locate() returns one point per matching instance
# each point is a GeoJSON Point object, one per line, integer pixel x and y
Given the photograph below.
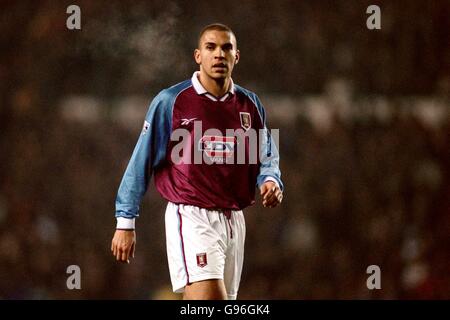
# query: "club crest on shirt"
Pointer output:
{"type": "Point", "coordinates": [201, 259]}
{"type": "Point", "coordinates": [145, 127]}
{"type": "Point", "coordinates": [245, 120]}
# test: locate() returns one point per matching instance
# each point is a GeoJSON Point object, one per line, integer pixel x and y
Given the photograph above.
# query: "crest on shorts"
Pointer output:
{"type": "Point", "coordinates": [245, 120]}
{"type": "Point", "coordinates": [201, 259]}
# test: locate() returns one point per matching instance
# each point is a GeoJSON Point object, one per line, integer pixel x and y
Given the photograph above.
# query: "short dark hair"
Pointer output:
{"type": "Point", "coordinates": [218, 27]}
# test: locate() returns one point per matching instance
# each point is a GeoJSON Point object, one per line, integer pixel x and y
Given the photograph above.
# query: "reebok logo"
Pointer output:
{"type": "Point", "coordinates": [185, 122]}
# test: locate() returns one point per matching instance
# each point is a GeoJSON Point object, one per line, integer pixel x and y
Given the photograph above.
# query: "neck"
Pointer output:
{"type": "Point", "coordinates": [217, 87]}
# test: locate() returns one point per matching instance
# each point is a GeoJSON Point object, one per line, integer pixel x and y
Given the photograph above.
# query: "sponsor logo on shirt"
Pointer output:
{"type": "Point", "coordinates": [217, 148]}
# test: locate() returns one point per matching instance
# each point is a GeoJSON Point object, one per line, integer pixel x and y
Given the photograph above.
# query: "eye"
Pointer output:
{"type": "Point", "coordinates": [209, 47]}
{"type": "Point", "coordinates": [227, 47]}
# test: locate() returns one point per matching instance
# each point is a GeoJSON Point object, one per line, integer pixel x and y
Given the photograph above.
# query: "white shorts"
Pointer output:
{"type": "Point", "coordinates": [204, 244]}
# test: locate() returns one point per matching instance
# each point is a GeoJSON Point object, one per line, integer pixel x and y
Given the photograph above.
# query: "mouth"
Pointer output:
{"type": "Point", "coordinates": [220, 65]}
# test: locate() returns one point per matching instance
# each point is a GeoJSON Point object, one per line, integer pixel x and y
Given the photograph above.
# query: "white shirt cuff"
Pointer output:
{"type": "Point", "coordinates": [273, 180]}
{"type": "Point", "coordinates": [125, 223]}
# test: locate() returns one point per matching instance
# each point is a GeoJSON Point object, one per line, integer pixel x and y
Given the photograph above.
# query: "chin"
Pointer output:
{"type": "Point", "coordinates": [216, 75]}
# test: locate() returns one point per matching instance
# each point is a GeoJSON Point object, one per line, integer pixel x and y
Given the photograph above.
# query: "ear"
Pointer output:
{"type": "Point", "coordinates": [197, 56]}
{"type": "Point", "coordinates": [238, 56]}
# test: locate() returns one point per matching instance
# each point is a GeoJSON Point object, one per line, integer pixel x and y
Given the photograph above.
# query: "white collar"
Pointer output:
{"type": "Point", "coordinates": [201, 90]}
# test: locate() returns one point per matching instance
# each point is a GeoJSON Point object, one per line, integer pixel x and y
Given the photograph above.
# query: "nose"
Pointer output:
{"type": "Point", "coordinates": [220, 53]}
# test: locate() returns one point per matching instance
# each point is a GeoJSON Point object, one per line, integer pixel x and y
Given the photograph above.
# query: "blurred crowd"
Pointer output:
{"type": "Point", "coordinates": [365, 160]}
{"type": "Point", "coordinates": [362, 192]}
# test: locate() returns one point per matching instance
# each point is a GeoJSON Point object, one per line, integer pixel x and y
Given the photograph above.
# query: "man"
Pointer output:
{"type": "Point", "coordinates": [205, 227]}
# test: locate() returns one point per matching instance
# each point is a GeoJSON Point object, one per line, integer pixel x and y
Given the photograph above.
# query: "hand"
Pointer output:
{"type": "Point", "coordinates": [271, 194]}
{"type": "Point", "coordinates": [123, 245]}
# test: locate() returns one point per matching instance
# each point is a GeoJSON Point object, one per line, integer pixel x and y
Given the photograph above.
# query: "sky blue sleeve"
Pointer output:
{"type": "Point", "coordinates": [269, 156]}
{"type": "Point", "coordinates": [149, 152]}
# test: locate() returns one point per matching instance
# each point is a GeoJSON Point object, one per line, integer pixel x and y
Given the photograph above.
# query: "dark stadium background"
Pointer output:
{"type": "Point", "coordinates": [364, 119]}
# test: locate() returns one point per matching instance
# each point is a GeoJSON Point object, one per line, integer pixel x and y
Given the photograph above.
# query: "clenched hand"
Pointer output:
{"type": "Point", "coordinates": [271, 194]}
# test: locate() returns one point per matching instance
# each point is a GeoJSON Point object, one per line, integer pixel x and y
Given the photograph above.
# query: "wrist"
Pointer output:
{"type": "Point", "coordinates": [125, 224]}
{"type": "Point", "coordinates": [272, 180]}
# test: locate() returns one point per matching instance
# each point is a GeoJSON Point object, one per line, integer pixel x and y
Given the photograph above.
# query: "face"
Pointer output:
{"type": "Point", "coordinates": [217, 54]}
